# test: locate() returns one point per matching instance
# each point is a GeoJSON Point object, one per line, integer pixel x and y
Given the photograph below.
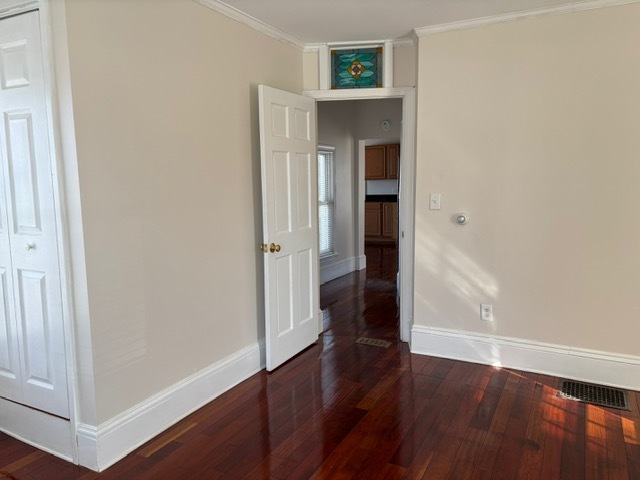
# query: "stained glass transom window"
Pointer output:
{"type": "Point", "coordinates": [356, 68]}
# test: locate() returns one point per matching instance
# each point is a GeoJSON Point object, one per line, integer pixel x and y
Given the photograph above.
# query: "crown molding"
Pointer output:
{"type": "Point", "coordinates": [252, 22]}
{"type": "Point", "coordinates": [414, 36]}
{"type": "Point", "coordinates": [405, 42]}
{"type": "Point", "coordinates": [526, 14]}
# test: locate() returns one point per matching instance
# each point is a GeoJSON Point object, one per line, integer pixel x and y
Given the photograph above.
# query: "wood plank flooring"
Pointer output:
{"type": "Point", "coordinates": [341, 410]}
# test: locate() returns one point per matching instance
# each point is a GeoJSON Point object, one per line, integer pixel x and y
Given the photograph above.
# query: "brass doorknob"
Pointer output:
{"type": "Point", "coordinates": [264, 247]}
{"type": "Point", "coordinates": [274, 248]}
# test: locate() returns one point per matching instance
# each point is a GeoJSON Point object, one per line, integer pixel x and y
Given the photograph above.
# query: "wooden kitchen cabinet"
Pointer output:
{"type": "Point", "coordinates": [373, 219]}
{"type": "Point", "coordinates": [393, 160]}
{"type": "Point", "coordinates": [375, 158]}
{"type": "Point", "coordinates": [381, 222]}
{"type": "Point", "coordinates": [388, 220]}
{"type": "Point", "coordinates": [381, 161]}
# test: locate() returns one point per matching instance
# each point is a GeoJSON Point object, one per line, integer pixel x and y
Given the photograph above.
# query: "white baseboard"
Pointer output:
{"type": "Point", "coordinates": [338, 269]}
{"type": "Point", "coordinates": [46, 432]}
{"type": "Point", "coordinates": [101, 447]}
{"type": "Point", "coordinates": [361, 262]}
{"type": "Point", "coordinates": [561, 361]}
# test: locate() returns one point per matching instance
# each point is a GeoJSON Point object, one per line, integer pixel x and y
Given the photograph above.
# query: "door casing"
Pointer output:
{"type": "Point", "coordinates": [406, 237]}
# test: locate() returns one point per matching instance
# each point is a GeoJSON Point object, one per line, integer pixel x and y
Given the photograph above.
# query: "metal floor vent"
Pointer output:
{"type": "Point", "coordinates": [596, 394]}
{"type": "Point", "coordinates": [374, 342]}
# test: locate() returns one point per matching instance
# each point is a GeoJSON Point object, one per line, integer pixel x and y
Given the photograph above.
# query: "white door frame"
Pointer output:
{"type": "Point", "coordinates": [406, 237]}
{"type": "Point", "coordinates": [55, 436]}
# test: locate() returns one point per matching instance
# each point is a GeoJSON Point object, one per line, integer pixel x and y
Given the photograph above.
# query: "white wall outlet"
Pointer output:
{"type": "Point", "coordinates": [434, 201]}
{"type": "Point", "coordinates": [486, 312]}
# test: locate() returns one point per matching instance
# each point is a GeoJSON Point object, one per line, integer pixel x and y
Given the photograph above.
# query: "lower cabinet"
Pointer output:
{"type": "Point", "coordinates": [372, 220]}
{"type": "Point", "coordinates": [390, 220]}
{"type": "Point", "coordinates": [380, 222]}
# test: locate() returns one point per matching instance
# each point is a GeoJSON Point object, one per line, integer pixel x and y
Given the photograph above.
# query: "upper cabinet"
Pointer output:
{"type": "Point", "coordinates": [375, 162]}
{"type": "Point", "coordinates": [393, 160]}
{"type": "Point", "coordinates": [381, 161]}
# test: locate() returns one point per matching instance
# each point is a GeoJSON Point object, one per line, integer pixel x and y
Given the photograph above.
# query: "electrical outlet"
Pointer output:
{"type": "Point", "coordinates": [434, 201]}
{"type": "Point", "coordinates": [486, 312]}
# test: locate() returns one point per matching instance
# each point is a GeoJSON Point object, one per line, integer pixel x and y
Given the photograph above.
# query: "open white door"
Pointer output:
{"type": "Point", "coordinates": [290, 222]}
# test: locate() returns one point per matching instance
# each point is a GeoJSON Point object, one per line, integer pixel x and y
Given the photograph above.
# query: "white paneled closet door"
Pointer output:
{"type": "Point", "coordinates": [32, 348]}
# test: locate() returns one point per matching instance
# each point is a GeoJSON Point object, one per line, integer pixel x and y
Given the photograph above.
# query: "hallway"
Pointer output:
{"type": "Point", "coordinates": [363, 303]}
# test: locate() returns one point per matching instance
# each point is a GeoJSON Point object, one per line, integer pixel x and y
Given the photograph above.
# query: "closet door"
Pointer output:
{"type": "Point", "coordinates": [10, 376]}
{"type": "Point", "coordinates": [33, 302]}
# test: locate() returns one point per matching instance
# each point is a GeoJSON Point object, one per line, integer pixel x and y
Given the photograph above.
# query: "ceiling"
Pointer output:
{"type": "Point", "coordinates": [326, 21]}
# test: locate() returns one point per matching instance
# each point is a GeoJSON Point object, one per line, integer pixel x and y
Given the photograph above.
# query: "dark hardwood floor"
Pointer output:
{"type": "Point", "coordinates": [341, 410]}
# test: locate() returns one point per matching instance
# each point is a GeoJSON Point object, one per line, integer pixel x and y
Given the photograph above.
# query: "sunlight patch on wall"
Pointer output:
{"type": "Point", "coordinates": [479, 280]}
{"type": "Point", "coordinates": [445, 263]}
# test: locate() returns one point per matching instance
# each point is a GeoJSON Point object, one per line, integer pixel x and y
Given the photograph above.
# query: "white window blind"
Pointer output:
{"type": "Point", "coordinates": [326, 200]}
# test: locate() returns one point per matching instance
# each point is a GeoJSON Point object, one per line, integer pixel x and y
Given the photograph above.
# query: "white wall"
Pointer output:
{"type": "Point", "coordinates": [336, 124]}
{"type": "Point", "coordinates": [165, 105]}
{"type": "Point", "coordinates": [532, 128]}
{"type": "Point", "coordinates": [311, 80]}
{"type": "Point", "coordinates": [371, 113]}
{"type": "Point", "coordinates": [404, 66]}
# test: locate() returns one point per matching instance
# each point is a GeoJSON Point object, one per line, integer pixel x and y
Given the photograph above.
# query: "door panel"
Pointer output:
{"type": "Point", "coordinates": [303, 124]}
{"type": "Point", "coordinates": [21, 161]}
{"type": "Point", "coordinates": [28, 241]}
{"type": "Point", "coordinates": [282, 192]}
{"type": "Point", "coordinates": [14, 65]}
{"type": "Point", "coordinates": [8, 342]}
{"type": "Point", "coordinates": [305, 205]}
{"type": "Point", "coordinates": [279, 120]}
{"type": "Point", "coordinates": [10, 374]}
{"type": "Point", "coordinates": [283, 282]}
{"type": "Point", "coordinates": [290, 223]}
{"type": "Point", "coordinates": [5, 328]}
{"type": "Point", "coordinates": [34, 328]}
{"type": "Point", "coordinates": [305, 280]}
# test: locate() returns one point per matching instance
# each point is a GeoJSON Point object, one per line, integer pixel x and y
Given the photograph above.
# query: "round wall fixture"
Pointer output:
{"type": "Point", "coordinates": [462, 219]}
{"type": "Point", "coordinates": [385, 125]}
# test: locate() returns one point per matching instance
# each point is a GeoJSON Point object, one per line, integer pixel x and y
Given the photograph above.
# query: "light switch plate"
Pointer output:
{"type": "Point", "coordinates": [434, 201]}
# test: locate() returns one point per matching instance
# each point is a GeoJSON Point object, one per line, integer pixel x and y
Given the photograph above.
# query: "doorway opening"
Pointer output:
{"type": "Point", "coordinates": [362, 265]}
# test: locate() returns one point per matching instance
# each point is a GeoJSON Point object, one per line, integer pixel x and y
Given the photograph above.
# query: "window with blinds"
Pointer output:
{"type": "Point", "coordinates": [326, 199]}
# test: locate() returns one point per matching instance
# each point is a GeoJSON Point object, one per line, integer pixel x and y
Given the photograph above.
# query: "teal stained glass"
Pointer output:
{"type": "Point", "coordinates": [356, 68]}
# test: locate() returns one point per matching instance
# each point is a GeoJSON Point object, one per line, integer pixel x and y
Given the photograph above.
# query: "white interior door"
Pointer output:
{"type": "Point", "coordinates": [32, 349]}
{"type": "Point", "coordinates": [290, 222]}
